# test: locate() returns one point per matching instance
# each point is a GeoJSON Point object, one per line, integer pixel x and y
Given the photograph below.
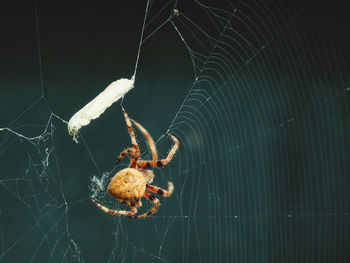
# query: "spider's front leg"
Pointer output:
{"type": "Point", "coordinates": [150, 141]}
{"type": "Point", "coordinates": [145, 164]}
{"type": "Point", "coordinates": [125, 152]}
{"type": "Point", "coordinates": [136, 153]}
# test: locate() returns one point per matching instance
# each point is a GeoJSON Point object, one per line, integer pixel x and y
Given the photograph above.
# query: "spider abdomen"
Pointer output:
{"type": "Point", "coordinates": [128, 184]}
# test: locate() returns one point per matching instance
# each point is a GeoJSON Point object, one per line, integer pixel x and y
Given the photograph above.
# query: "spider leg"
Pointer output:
{"type": "Point", "coordinates": [116, 212]}
{"type": "Point", "coordinates": [145, 164]}
{"type": "Point", "coordinates": [137, 205]}
{"type": "Point", "coordinates": [160, 191]}
{"type": "Point", "coordinates": [136, 154]}
{"type": "Point", "coordinates": [149, 139]}
{"type": "Point", "coordinates": [125, 152]}
{"type": "Point", "coordinates": [154, 209]}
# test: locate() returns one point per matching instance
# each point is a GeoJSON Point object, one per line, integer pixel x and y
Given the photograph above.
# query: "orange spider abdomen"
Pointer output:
{"type": "Point", "coordinates": [128, 184]}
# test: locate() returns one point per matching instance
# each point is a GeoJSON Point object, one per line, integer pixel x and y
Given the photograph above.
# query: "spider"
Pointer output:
{"type": "Point", "coordinates": [129, 185]}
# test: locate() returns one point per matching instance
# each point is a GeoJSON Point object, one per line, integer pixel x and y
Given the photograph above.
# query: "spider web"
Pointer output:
{"type": "Point", "coordinates": [257, 92]}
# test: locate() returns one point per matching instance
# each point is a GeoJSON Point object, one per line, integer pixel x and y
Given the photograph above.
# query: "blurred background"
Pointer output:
{"type": "Point", "coordinates": [257, 92]}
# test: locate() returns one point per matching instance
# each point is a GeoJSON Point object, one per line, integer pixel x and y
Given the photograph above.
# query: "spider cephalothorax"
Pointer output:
{"type": "Point", "coordinates": [131, 184]}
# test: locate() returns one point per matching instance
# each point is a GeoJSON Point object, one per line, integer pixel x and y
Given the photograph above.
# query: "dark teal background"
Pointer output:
{"type": "Point", "coordinates": [262, 173]}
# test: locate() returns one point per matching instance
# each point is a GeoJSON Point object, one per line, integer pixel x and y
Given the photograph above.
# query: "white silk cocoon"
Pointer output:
{"type": "Point", "coordinates": [98, 105]}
